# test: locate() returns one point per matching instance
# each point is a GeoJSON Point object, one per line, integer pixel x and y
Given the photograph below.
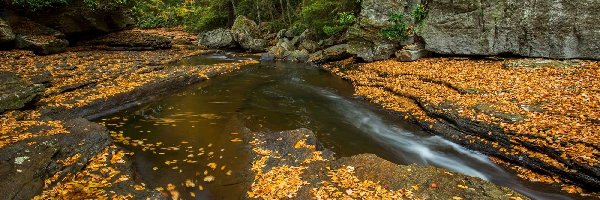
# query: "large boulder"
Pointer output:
{"type": "Point", "coordinates": [365, 40]}
{"type": "Point", "coordinates": [247, 34]}
{"type": "Point", "coordinates": [552, 29]}
{"type": "Point", "coordinates": [6, 33]}
{"type": "Point", "coordinates": [216, 39]}
{"type": "Point", "coordinates": [131, 40]}
{"type": "Point", "coordinates": [79, 18]}
{"type": "Point", "coordinates": [37, 38]}
{"type": "Point", "coordinates": [15, 93]}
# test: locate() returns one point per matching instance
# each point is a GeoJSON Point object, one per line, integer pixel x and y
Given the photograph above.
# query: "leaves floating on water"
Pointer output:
{"type": "Point", "coordinates": [209, 179]}
{"type": "Point", "coordinates": [213, 166]}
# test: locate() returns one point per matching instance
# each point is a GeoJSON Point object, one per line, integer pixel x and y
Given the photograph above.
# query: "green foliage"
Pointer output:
{"type": "Point", "coordinates": [344, 20]}
{"type": "Point", "coordinates": [35, 5]}
{"type": "Point", "coordinates": [38, 4]}
{"type": "Point", "coordinates": [419, 13]}
{"type": "Point", "coordinates": [333, 30]}
{"type": "Point", "coordinates": [399, 30]}
{"type": "Point", "coordinates": [329, 17]}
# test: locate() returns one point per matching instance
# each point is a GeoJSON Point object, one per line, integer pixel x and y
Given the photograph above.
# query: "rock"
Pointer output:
{"type": "Point", "coordinates": [131, 40]}
{"type": "Point", "coordinates": [411, 53]}
{"type": "Point", "coordinates": [290, 33]}
{"type": "Point", "coordinates": [281, 34]}
{"type": "Point", "coordinates": [550, 29]}
{"type": "Point", "coordinates": [334, 53]}
{"type": "Point", "coordinates": [43, 77]}
{"type": "Point", "coordinates": [365, 40]}
{"type": "Point", "coordinates": [540, 63]}
{"type": "Point", "coordinates": [309, 45]}
{"type": "Point", "coordinates": [281, 50]}
{"type": "Point", "coordinates": [79, 18]}
{"type": "Point", "coordinates": [15, 93]}
{"type": "Point", "coordinates": [266, 57]}
{"type": "Point", "coordinates": [424, 182]}
{"type": "Point", "coordinates": [506, 117]}
{"type": "Point", "coordinates": [27, 164]}
{"type": "Point", "coordinates": [37, 38]}
{"type": "Point", "coordinates": [298, 56]}
{"type": "Point", "coordinates": [217, 39]}
{"type": "Point", "coordinates": [246, 33]}
{"type": "Point", "coordinates": [6, 33]}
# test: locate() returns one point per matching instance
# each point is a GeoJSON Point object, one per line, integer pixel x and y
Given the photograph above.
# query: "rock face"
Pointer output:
{"type": "Point", "coordinates": [78, 18]}
{"type": "Point", "coordinates": [247, 34]}
{"type": "Point", "coordinates": [6, 34]}
{"type": "Point", "coordinates": [15, 93]}
{"type": "Point", "coordinates": [37, 38]}
{"type": "Point", "coordinates": [131, 40]}
{"type": "Point", "coordinates": [217, 39]}
{"type": "Point", "coordinates": [552, 29]}
{"type": "Point", "coordinates": [365, 40]}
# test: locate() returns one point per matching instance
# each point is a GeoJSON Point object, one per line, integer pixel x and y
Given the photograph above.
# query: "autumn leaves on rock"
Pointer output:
{"type": "Point", "coordinates": [544, 113]}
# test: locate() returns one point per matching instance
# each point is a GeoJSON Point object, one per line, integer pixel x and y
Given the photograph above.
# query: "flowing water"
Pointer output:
{"type": "Point", "coordinates": [186, 138]}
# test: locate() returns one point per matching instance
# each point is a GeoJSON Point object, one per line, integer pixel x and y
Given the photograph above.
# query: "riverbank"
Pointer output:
{"type": "Point", "coordinates": [75, 157]}
{"type": "Point", "coordinates": [537, 117]}
{"type": "Point", "coordinates": [292, 164]}
{"type": "Point", "coordinates": [48, 149]}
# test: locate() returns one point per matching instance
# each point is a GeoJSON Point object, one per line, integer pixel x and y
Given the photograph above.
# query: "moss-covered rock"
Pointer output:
{"type": "Point", "coordinates": [247, 34]}
{"type": "Point", "coordinates": [15, 93]}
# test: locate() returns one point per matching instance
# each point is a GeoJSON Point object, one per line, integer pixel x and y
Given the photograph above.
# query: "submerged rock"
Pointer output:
{"type": "Point", "coordinates": [15, 93]}
{"type": "Point", "coordinates": [552, 29]}
{"type": "Point", "coordinates": [217, 39]}
{"type": "Point", "coordinates": [247, 34]}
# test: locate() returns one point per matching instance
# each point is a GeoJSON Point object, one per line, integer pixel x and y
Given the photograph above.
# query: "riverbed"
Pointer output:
{"type": "Point", "coordinates": [185, 142]}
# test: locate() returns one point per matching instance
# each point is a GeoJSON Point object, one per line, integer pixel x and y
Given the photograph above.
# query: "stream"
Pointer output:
{"type": "Point", "coordinates": [180, 138]}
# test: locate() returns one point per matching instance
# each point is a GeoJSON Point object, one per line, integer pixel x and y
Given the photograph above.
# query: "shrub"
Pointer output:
{"type": "Point", "coordinates": [399, 30]}
{"type": "Point", "coordinates": [328, 16]}
{"type": "Point", "coordinates": [419, 13]}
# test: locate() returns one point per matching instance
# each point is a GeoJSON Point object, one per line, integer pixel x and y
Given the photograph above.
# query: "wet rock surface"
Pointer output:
{"type": "Point", "coordinates": [313, 172]}
{"type": "Point", "coordinates": [15, 93]}
{"type": "Point", "coordinates": [30, 162]}
{"type": "Point", "coordinates": [131, 40]}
